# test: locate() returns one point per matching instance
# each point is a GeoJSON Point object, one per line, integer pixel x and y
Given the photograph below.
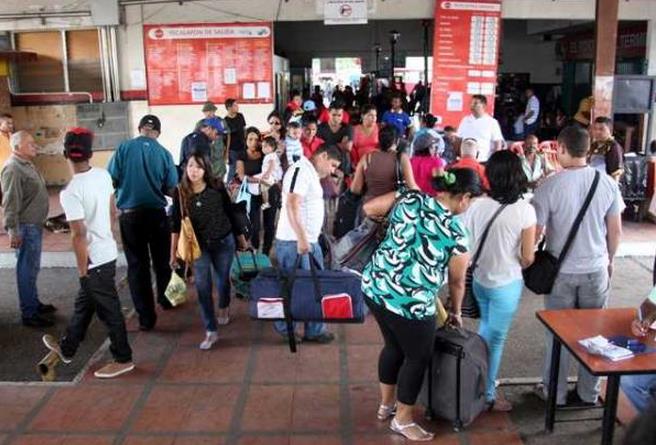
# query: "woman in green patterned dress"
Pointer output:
{"type": "Point", "coordinates": [424, 241]}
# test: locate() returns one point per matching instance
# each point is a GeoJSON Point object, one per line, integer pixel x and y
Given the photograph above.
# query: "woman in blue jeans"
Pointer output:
{"type": "Point", "coordinates": [206, 202]}
{"type": "Point", "coordinates": [509, 247]}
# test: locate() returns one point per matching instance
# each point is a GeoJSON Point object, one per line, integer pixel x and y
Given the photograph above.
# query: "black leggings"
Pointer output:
{"type": "Point", "coordinates": [407, 351]}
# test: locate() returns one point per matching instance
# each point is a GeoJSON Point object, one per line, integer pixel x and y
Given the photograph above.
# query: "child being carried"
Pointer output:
{"type": "Point", "coordinates": [271, 169]}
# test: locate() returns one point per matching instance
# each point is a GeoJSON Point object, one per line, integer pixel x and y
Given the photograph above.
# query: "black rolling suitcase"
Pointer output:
{"type": "Point", "coordinates": [455, 382]}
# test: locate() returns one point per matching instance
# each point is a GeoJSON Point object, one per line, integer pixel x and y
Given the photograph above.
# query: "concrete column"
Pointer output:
{"type": "Point", "coordinates": [606, 17]}
{"type": "Point", "coordinates": [651, 71]}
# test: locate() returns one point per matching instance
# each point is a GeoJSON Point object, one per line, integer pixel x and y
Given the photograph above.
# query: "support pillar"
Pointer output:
{"type": "Point", "coordinates": [651, 71]}
{"type": "Point", "coordinates": [606, 18]}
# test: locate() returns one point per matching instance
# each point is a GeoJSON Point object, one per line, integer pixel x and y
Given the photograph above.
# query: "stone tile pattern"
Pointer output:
{"type": "Point", "coordinates": [248, 390]}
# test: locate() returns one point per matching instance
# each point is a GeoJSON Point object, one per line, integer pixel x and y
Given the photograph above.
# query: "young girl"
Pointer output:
{"type": "Point", "coordinates": [271, 170]}
{"type": "Point", "coordinates": [206, 202]}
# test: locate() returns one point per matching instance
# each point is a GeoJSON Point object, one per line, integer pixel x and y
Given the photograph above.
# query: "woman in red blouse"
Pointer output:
{"type": "Point", "coordinates": [365, 135]}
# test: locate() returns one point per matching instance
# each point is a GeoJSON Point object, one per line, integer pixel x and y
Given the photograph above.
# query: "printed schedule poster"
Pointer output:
{"type": "Point", "coordinates": [465, 56]}
{"type": "Point", "coordinates": [187, 64]}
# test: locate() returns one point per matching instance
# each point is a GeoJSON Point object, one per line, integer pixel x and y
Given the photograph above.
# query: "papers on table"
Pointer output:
{"type": "Point", "coordinates": [600, 345]}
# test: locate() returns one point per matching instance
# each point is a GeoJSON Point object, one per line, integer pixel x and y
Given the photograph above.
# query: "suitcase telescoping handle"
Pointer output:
{"type": "Point", "coordinates": [314, 266]}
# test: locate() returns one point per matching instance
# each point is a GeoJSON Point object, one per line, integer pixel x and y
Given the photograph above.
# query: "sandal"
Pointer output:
{"type": "Point", "coordinates": [411, 431]}
{"type": "Point", "coordinates": [385, 412]}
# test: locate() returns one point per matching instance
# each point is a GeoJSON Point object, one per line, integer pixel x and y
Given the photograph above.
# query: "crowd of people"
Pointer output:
{"type": "Point", "coordinates": [441, 193]}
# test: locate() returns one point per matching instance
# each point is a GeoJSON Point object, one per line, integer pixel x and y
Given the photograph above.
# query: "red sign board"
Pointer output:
{"type": "Point", "coordinates": [188, 64]}
{"type": "Point", "coordinates": [631, 43]}
{"type": "Point", "coordinates": [465, 56]}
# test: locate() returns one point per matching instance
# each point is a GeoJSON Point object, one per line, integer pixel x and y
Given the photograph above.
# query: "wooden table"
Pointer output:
{"type": "Point", "coordinates": [568, 326]}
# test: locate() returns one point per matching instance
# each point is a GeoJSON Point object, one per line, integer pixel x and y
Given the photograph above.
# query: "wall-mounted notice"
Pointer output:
{"type": "Point", "coordinates": [188, 64]}
{"type": "Point", "coordinates": [465, 56]}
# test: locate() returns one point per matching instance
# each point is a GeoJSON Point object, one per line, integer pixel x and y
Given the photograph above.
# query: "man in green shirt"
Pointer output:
{"type": "Point", "coordinates": [25, 203]}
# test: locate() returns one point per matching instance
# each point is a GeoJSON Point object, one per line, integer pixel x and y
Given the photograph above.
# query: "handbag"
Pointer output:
{"type": "Point", "coordinates": [188, 249]}
{"type": "Point", "coordinates": [243, 195]}
{"type": "Point", "coordinates": [540, 276]}
{"type": "Point", "coordinates": [361, 242]}
{"type": "Point", "coordinates": [469, 307]}
{"type": "Point", "coordinates": [347, 211]}
{"type": "Point", "coordinates": [356, 248]}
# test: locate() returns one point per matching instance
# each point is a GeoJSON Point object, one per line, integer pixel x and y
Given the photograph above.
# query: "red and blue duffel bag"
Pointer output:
{"type": "Point", "coordinates": [330, 296]}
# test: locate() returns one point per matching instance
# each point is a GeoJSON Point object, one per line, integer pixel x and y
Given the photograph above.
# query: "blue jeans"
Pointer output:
{"type": "Point", "coordinates": [498, 306]}
{"type": "Point", "coordinates": [216, 259]}
{"type": "Point", "coordinates": [640, 389]}
{"type": "Point", "coordinates": [286, 254]}
{"type": "Point", "coordinates": [28, 264]}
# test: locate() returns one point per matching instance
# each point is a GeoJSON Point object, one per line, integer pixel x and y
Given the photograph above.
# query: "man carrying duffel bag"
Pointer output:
{"type": "Point", "coordinates": [424, 241]}
{"type": "Point", "coordinates": [301, 221]}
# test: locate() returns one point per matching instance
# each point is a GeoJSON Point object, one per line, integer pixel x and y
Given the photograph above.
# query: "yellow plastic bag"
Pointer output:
{"type": "Point", "coordinates": [176, 291]}
{"type": "Point", "coordinates": [441, 315]}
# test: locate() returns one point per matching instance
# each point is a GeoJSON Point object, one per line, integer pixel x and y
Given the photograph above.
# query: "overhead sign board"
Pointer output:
{"type": "Point", "coordinates": [188, 64]}
{"type": "Point", "coordinates": [465, 56]}
{"type": "Point", "coordinates": [344, 12]}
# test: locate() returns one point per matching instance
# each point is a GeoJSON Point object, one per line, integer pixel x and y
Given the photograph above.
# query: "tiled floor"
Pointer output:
{"type": "Point", "coordinates": [249, 390]}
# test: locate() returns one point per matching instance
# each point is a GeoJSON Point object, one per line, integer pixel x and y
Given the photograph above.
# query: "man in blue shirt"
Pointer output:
{"type": "Point", "coordinates": [398, 118]}
{"type": "Point", "coordinates": [143, 173]}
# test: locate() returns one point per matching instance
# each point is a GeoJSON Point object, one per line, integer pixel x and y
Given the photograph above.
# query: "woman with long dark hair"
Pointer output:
{"type": "Point", "coordinates": [508, 248]}
{"type": "Point", "coordinates": [205, 200]}
{"type": "Point", "coordinates": [423, 243]}
{"type": "Point", "coordinates": [249, 165]}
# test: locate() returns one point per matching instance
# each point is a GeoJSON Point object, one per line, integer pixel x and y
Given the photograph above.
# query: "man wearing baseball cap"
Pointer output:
{"type": "Point", "coordinates": [143, 173]}
{"type": "Point", "coordinates": [219, 153]}
{"type": "Point", "coordinates": [88, 202]}
{"type": "Point", "coordinates": [209, 131]}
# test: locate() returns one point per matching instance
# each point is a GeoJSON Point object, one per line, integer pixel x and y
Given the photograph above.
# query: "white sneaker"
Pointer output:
{"type": "Point", "coordinates": [210, 339]}
{"type": "Point", "coordinates": [113, 369]}
{"type": "Point", "coordinates": [51, 343]}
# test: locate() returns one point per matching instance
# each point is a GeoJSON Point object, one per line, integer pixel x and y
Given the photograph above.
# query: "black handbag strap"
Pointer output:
{"type": "Point", "coordinates": [400, 181]}
{"type": "Point", "coordinates": [579, 219]}
{"type": "Point", "coordinates": [484, 236]}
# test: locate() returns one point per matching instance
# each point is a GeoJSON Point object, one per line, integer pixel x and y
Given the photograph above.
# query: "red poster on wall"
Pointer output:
{"type": "Point", "coordinates": [187, 64]}
{"type": "Point", "coordinates": [465, 56]}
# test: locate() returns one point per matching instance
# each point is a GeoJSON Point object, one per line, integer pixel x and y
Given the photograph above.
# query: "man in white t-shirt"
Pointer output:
{"type": "Point", "coordinates": [531, 113]}
{"type": "Point", "coordinates": [301, 220]}
{"type": "Point", "coordinates": [481, 126]}
{"type": "Point", "coordinates": [88, 202]}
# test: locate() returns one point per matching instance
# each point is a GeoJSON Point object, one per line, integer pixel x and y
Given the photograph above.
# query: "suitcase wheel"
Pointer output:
{"type": "Point", "coordinates": [457, 426]}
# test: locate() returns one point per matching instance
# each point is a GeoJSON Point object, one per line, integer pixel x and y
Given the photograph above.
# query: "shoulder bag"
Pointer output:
{"type": "Point", "coordinates": [541, 275]}
{"type": "Point", "coordinates": [356, 248]}
{"type": "Point", "coordinates": [469, 306]}
{"type": "Point", "coordinates": [188, 249]}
